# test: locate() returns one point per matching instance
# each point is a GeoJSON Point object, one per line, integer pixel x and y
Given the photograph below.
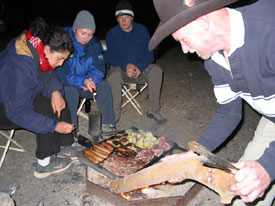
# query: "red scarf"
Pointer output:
{"type": "Point", "coordinates": [38, 45]}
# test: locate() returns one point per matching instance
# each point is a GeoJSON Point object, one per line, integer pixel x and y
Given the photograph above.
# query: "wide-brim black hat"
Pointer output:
{"type": "Point", "coordinates": [174, 14]}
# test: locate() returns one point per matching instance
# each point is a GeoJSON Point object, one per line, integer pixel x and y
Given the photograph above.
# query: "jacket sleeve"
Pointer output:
{"type": "Point", "coordinates": [62, 73]}
{"type": "Point", "coordinates": [93, 72]}
{"type": "Point", "coordinates": [266, 159]}
{"type": "Point", "coordinates": [97, 55]}
{"type": "Point", "coordinates": [53, 85]}
{"type": "Point", "coordinates": [112, 54]}
{"type": "Point", "coordinates": [20, 97]}
{"type": "Point", "coordinates": [228, 114]}
{"type": "Point", "coordinates": [95, 62]}
{"type": "Point", "coordinates": [223, 123]}
{"type": "Point", "coordinates": [147, 57]}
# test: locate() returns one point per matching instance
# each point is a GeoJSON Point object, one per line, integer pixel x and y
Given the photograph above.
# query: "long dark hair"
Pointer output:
{"type": "Point", "coordinates": [55, 37]}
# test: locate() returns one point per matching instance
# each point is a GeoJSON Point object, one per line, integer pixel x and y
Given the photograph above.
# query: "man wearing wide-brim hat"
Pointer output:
{"type": "Point", "coordinates": [238, 46]}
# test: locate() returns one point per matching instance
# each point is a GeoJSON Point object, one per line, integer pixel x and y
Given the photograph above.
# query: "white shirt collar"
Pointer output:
{"type": "Point", "coordinates": [237, 37]}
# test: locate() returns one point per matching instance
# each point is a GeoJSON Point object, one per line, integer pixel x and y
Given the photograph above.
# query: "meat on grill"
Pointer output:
{"type": "Point", "coordinates": [123, 166]}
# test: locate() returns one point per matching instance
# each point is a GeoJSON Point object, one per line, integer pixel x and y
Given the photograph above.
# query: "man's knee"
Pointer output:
{"type": "Point", "coordinates": [154, 72]}
{"type": "Point", "coordinates": [114, 74]}
{"type": "Point", "coordinates": [103, 86]}
{"type": "Point", "coordinates": [71, 90]}
{"type": "Point", "coordinates": [155, 69]}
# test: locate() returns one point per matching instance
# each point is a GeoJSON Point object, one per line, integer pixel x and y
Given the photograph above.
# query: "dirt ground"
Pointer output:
{"type": "Point", "coordinates": [187, 102]}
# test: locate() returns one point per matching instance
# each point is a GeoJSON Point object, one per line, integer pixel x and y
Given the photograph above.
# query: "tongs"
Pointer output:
{"type": "Point", "coordinates": [211, 160]}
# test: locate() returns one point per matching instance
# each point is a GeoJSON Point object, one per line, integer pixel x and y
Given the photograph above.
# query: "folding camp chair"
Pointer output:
{"type": "Point", "coordinates": [7, 147]}
{"type": "Point", "coordinates": [130, 91]}
{"type": "Point", "coordinates": [79, 110]}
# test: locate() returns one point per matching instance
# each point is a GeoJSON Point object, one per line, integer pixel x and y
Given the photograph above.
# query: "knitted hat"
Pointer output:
{"type": "Point", "coordinates": [174, 14]}
{"type": "Point", "coordinates": [124, 8]}
{"type": "Point", "coordinates": [84, 20]}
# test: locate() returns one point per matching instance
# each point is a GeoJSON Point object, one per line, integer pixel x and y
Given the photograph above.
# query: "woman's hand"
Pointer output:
{"type": "Point", "coordinates": [252, 180]}
{"type": "Point", "coordinates": [57, 102]}
{"type": "Point", "coordinates": [89, 85]}
{"type": "Point", "coordinates": [64, 128]}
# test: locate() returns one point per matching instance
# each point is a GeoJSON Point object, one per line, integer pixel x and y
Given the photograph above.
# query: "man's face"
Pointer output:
{"type": "Point", "coordinates": [125, 22]}
{"type": "Point", "coordinates": [83, 36]}
{"type": "Point", "coordinates": [194, 37]}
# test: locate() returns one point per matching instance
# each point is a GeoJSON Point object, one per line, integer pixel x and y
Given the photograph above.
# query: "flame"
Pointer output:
{"type": "Point", "coordinates": [145, 188]}
{"type": "Point", "coordinates": [128, 196]}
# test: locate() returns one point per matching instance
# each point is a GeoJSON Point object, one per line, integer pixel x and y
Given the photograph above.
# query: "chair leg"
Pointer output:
{"type": "Point", "coordinates": [131, 98]}
{"type": "Point", "coordinates": [7, 147]}
{"type": "Point", "coordinates": [80, 113]}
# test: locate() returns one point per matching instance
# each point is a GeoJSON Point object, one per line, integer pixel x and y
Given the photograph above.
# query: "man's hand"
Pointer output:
{"type": "Point", "coordinates": [132, 71]}
{"type": "Point", "coordinates": [89, 85]}
{"type": "Point", "coordinates": [170, 157]}
{"type": "Point", "coordinates": [64, 128]}
{"type": "Point", "coordinates": [252, 180]}
{"type": "Point", "coordinates": [57, 102]}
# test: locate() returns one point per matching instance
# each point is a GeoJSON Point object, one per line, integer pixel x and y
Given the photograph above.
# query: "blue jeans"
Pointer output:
{"type": "Point", "coordinates": [103, 100]}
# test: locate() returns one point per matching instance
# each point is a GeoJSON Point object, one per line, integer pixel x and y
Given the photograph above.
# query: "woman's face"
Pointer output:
{"type": "Point", "coordinates": [83, 36]}
{"type": "Point", "coordinates": [55, 59]}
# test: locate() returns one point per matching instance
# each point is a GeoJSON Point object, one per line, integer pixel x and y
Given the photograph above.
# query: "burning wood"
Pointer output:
{"type": "Point", "coordinates": [186, 168]}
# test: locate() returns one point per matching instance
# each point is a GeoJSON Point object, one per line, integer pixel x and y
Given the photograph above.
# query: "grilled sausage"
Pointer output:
{"type": "Point", "coordinates": [98, 149]}
{"type": "Point", "coordinates": [127, 152]}
{"type": "Point", "coordinates": [101, 149]}
{"type": "Point", "coordinates": [108, 146]}
{"type": "Point", "coordinates": [101, 154]}
{"type": "Point", "coordinates": [92, 155]}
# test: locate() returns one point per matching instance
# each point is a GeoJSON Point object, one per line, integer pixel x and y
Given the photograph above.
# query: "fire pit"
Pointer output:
{"type": "Point", "coordinates": [100, 176]}
{"type": "Point", "coordinates": [98, 184]}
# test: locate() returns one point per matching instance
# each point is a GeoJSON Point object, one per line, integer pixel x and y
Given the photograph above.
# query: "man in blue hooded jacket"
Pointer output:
{"type": "Point", "coordinates": [82, 74]}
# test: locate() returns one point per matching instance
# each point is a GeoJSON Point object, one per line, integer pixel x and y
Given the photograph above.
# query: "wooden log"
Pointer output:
{"type": "Point", "coordinates": [178, 168]}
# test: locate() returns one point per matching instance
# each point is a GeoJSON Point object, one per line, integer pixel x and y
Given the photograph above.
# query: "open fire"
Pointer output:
{"type": "Point", "coordinates": [134, 194]}
{"type": "Point", "coordinates": [154, 192]}
{"type": "Point", "coordinates": [102, 177]}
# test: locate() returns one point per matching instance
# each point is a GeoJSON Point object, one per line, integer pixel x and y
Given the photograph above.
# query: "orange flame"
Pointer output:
{"type": "Point", "coordinates": [128, 196]}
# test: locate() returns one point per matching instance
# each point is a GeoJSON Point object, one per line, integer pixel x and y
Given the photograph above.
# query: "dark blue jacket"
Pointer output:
{"type": "Point", "coordinates": [129, 47]}
{"type": "Point", "coordinates": [252, 77]}
{"type": "Point", "coordinates": [86, 61]}
{"type": "Point", "coordinates": [20, 82]}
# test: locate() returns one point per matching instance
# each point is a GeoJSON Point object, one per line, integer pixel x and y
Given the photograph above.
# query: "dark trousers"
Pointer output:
{"type": "Point", "coordinates": [103, 100]}
{"type": "Point", "coordinates": [48, 143]}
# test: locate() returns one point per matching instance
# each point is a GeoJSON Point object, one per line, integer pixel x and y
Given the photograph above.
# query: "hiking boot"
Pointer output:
{"type": "Point", "coordinates": [157, 117]}
{"type": "Point", "coordinates": [56, 165]}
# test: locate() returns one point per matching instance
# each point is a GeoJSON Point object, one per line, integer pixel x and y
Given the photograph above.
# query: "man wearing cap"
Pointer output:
{"type": "Point", "coordinates": [82, 74]}
{"type": "Point", "coordinates": [238, 46]}
{"type": "Point", "coordinates": [131, 61]}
